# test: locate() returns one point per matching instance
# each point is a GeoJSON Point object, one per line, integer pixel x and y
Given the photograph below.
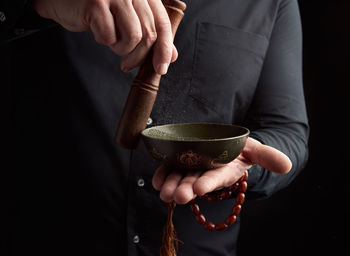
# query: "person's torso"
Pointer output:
{"type": "Point", "coordinates": [74, 98]}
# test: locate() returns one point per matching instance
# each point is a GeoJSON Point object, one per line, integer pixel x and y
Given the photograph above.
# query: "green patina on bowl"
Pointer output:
{"type": "Point", "coordinates": [195, 146]}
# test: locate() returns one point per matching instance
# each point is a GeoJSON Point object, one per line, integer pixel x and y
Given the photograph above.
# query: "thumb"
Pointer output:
{"type": "Point", "coordinates": [266, 156]}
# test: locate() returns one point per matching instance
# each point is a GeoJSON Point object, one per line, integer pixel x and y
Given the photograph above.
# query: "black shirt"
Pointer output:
{"type": "Point", "coordinates": [74, 192]}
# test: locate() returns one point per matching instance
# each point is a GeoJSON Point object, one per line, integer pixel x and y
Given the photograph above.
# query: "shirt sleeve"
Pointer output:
{"type": "Point", "coordinates": [277, 116]}
{"type": "Point", "coordinates": [18, 19]}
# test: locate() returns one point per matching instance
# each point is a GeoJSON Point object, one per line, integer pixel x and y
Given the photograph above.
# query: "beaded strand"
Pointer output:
{"type": "Point", "coordinates": [225, 193]}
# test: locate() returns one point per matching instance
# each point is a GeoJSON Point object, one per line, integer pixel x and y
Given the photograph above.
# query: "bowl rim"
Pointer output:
{"type": "Point", "coordinates": [246, 134]}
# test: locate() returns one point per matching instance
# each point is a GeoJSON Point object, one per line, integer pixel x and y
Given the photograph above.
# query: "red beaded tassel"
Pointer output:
{"type": "Point", "coordinates": [169, 241]}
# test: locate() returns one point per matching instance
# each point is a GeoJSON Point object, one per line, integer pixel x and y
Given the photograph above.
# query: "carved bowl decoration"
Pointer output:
{"type": "Point", "coordinates": [195, 146]}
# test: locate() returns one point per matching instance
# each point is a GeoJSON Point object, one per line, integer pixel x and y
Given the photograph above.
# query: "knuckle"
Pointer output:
{"type": "Point", "coordinates": [166, 48]}
{"type": "Point", "coordinates": [119, 50]}
{"type": "Point", "coordinates": [105, 39]}
{"type": "Point", "coordinates": [164, 24]}
{"type": "Point", "coordinates": [92, 9]}
{"type": "Point", "coordinates": [95, 3]}
{"type": "Point", "coordinates": [134, 38]}
{"type": "Point", "coordinates": [150, 38]}
{"type": "Point", "coordinates": [125, 2]}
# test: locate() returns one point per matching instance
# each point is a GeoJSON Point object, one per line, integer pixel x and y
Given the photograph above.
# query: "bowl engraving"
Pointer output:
{"type": "Point", "coordinates": [190, 160]}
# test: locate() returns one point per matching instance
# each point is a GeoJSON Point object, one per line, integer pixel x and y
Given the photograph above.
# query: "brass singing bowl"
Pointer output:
{"type": "Point", "coordinates": [195, 146]}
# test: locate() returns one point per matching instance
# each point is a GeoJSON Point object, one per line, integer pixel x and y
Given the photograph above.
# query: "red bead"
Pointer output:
{"type": "Point", "coordinates": [243, 187]}
{"type": "Point", "coordinates": [200, 218]}
{"type": "Point", "coordinates": [209, 226]}
{"type": "Point", "coordinates": [236, 209]}
{"type": "Point", "coordinates": [221, 226]}
{"type": "Point", "coordinates": [195, 208]}
{"type": "Point", "coordinates": [231, 219]}
{"type": "Point", "coordinates": [240, 198]}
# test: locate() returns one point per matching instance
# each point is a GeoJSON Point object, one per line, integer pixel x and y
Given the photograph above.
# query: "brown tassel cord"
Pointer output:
{"type": "Point", "coordinates": [169, 241]}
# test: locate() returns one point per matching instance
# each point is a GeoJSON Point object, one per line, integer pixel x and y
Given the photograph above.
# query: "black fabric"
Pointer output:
{"type": "Point", "coordinates": [74, 191]}
{"type": "Point", "coordinates": [20, 20]}
{"type": "Point", "coordinates": [12, 12]}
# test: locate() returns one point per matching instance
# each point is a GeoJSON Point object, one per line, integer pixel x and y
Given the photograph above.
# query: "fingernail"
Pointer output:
{"type": "Point", "coordinates": [162, 68]}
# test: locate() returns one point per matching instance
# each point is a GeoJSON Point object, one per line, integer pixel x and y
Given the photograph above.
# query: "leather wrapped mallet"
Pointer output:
{"type": "Point", "coordinates": [144, 88]}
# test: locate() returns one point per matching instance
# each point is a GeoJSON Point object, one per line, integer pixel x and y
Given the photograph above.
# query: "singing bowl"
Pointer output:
{"type": "Point", "coordinates": [195, 146]}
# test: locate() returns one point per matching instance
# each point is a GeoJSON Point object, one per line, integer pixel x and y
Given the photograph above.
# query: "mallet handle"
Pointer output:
{"type": "Point", "coordinates": [144, 88]}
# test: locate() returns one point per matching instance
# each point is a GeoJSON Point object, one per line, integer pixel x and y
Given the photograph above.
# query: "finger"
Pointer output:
{"type": "Point", "coordinates": [128, 27]}
{"type": "Point", "coordinates": [127, 67]}
{"type": "Point", "coordinates": [163, 48]}
{"type": "Point", "coordinates": [174, 55]}
{"type": "Point", "coordinates": [266, 156]}
{"type": "Point", "coordinates": [168, 189]}
{"type": "Point", "coordinates": [159, 177]}
{"type": "Point", "coordinates": [220, 177]}
{"type": "Point", "coordinates": [149, 36]}
{"type": "Point", "coordinates": [184, 192]}
{"type": "Point", "coordinates": [101, 22]}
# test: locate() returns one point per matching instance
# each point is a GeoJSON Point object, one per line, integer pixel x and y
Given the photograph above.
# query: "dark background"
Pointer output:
{"type": "Point", "coordinates": [309, 217]}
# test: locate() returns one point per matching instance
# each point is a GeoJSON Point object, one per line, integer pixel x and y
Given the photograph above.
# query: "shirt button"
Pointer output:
{"type": "Point", "coordinates": [149, 121]}
{"type": "Point", "coordinates": [136, 239]}
{"type": "Point", "coordinates": [141, 182]}
{"type": "Point", "coordinates": [2, 16]}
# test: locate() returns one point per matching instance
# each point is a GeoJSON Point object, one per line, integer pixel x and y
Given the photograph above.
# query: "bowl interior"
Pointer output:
{"type": "Point", "coordinates": [195, 132]}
